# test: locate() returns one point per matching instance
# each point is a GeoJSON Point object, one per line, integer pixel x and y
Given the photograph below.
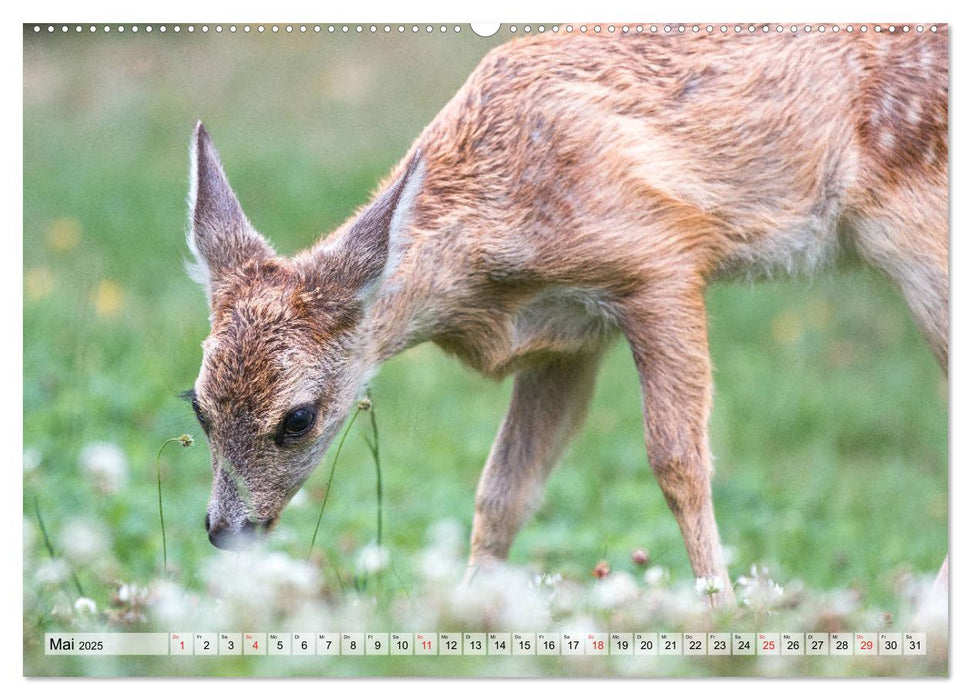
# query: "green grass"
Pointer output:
{"type": "Point", "coordinates": [830, 419]}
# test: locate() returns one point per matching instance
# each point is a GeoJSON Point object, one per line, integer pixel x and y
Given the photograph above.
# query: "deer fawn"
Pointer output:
{"type": "Point", "coordinates": [575, 189]}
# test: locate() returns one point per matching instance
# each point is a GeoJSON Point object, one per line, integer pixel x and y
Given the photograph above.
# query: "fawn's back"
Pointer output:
{"type": "Point", "coordinates": [583, 165]}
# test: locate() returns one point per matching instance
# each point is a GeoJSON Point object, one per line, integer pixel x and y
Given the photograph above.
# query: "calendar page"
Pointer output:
{"type": "Point", "coordinates": [604, 349]}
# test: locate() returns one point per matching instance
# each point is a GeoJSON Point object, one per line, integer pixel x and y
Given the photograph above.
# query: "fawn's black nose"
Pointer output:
{"type": "Point", "coordinates": [224, 536]}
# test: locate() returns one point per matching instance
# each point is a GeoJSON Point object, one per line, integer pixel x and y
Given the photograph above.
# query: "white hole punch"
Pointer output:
{"type": "Point", "coordinates": [485, 29]}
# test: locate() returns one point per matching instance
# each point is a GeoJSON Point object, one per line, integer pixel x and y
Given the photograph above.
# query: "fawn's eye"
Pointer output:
{"type": "Point", "coordinates": [199, 415]}
{"type": "Point", "coordinates": [299, 421]}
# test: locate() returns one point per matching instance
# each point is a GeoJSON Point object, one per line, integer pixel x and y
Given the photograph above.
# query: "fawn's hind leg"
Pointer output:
{"type": "Point", "coordinates": [548, 404]}
{"type": "Point", "coordinates": [904, 234]}
{"type": "Point", "coordinates": [666, 327]}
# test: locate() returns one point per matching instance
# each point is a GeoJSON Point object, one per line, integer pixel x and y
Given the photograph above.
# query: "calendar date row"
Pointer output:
{"type": "Point", "coordinates": [490, 644]}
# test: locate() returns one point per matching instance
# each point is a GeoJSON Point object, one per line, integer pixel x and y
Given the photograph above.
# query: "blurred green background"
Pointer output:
{"type": "Point", "coordinates": [830, 421]}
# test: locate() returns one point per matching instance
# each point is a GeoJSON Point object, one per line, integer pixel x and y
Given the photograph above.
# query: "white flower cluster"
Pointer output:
{"type": "Point", "coordinates": [260, 586]}
{"type": "Point", "coordinates": [85, 606]}
{"type": "Point", "coordinates": [32, 459]}
{"type": "Point", "coordinates": [618, 589]}
{"type": "Point", "coordinates": [52, 572]}
{"type": "Point", "coordinates": [656, 576]}
{"type": "Point", "coordinates": [106, 465]}
{"type": "Point", "coordinates": [132, 594]}
{"type": "Point", "coordinates": [758, 590]}
{"type": "Point", "coordinates": [84, 541]}
{"type": "Point", "coordinates": [129, 604]}
{"type": "Point", "coordinates": [498, 597]}
{"type": "Point", "coordinates": [709, 585]}
{"type": "Point", "coordinates": [373, 559]}
{"type": "Point", "coordinates": [442, 559]}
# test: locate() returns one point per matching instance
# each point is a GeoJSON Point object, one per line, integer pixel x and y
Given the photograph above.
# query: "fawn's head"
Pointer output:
{"type": "Point", "coordinates": [287, 350]}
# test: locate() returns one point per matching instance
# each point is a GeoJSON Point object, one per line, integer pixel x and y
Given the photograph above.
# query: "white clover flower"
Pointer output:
{"type": "Point", "coordinates": [656, 575]}
{"type": "Point", "coordinates": [106, 465]}
{"type": "Point", "coordinates": [709, 585]}
{"type": "Point", "coordinates": [124, 593]}
{"type": "Point", "coordinates": [85, 606]}
{"type": "Point", "coordinates": [550, 581]}
{"type": "Point", "coordinates": [84, 541]}
{"type": "Point", "coordinates": [32, 459]}
{"type": "Point", "coordinates": [284, 573]}
{"type": "Point", "coordinates": [729, 554]}
{"type": "Point", "coordinates": [447, 533]}
{"type": "Point", "coordinates": [314, 614]}
{"type": "Point", "coordinates": [30, 536]}
{"type": "Point", "coordinates": [758, 590]}
{"type": "Point", "coordinates": [62, 611]}
{"type": "Point", "coordinates": [53, 572]}
{"type": "Point", "coordinates": [172, 604]}
{"type": "Point", "coordinates": [128, 606]}
{"type": "Point", "coordinates": [443, 560]}
{"type": "Point", "coordinates": [842, 603]}
{"type": "Point", "coordinates": [440, 565]}
{"type": "Point", "coordinates": [677, 606]}
{"type": "Point", "coordinates": [501, 597]}
{"type": "Point", "coordinates": [567, 597]}
{"type": "Point", "coordinates": [614, 591]}
{"type": "Point", "coordinates": [260, 586]}
{"type": "Point", "coordinates": [132, 594]}
{"type": "Point", "coordinates": [373, 559]}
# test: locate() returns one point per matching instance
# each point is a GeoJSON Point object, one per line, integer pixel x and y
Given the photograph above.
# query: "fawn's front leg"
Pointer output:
{"type": "Point", "coordinates": [548, 404]}
{"type": "Point", "coordinates": [666, 328]}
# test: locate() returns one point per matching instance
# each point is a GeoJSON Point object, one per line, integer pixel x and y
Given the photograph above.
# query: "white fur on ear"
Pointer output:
{"type": "Point", "coordinates": [381, 234]}
{"type": "Point", "coordinates": [398, 238]}
{"type": "Point", "coordinates": [219, 235]}
{"type": "Point", "coordinates": [197, 269]}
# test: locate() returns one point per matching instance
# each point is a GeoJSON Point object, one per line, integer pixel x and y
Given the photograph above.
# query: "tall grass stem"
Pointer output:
{"type": "Point", "coordinates": [376, 455]}
{"type": "Point", "coordinates": [186, 441]}
{"type": "Point", "coordinates": [330, 481]}
{"type": "Point", "coordinates": [50, 547]}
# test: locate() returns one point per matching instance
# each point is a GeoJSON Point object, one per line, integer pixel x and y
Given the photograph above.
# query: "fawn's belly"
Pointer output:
{"type": "Point", "coordinates": [560, 320]}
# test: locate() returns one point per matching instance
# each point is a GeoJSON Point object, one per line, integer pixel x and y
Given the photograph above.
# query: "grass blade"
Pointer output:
{"type": "Point", "coordinates": [374, 447]}
{"type": "Point", "coordinates": [50, 547]}
{"type": "Point", "coordinates": [186, 441]}
{"type": "Point", "coordinates": [330, 480]}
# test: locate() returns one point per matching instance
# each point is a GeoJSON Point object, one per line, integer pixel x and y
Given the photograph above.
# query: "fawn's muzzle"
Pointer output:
{"type": "Point", "coordinates": [224, 536]}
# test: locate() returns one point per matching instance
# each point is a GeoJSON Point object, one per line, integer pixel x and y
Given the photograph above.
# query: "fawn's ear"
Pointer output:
{"type": "Point", "coordinates": [374, 244]}
{"type": "Point", "coordinates": [220, 237]}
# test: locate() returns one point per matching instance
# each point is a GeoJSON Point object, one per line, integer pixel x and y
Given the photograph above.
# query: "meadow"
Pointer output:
{"type": "Point", "coordinates": [829, 428]}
